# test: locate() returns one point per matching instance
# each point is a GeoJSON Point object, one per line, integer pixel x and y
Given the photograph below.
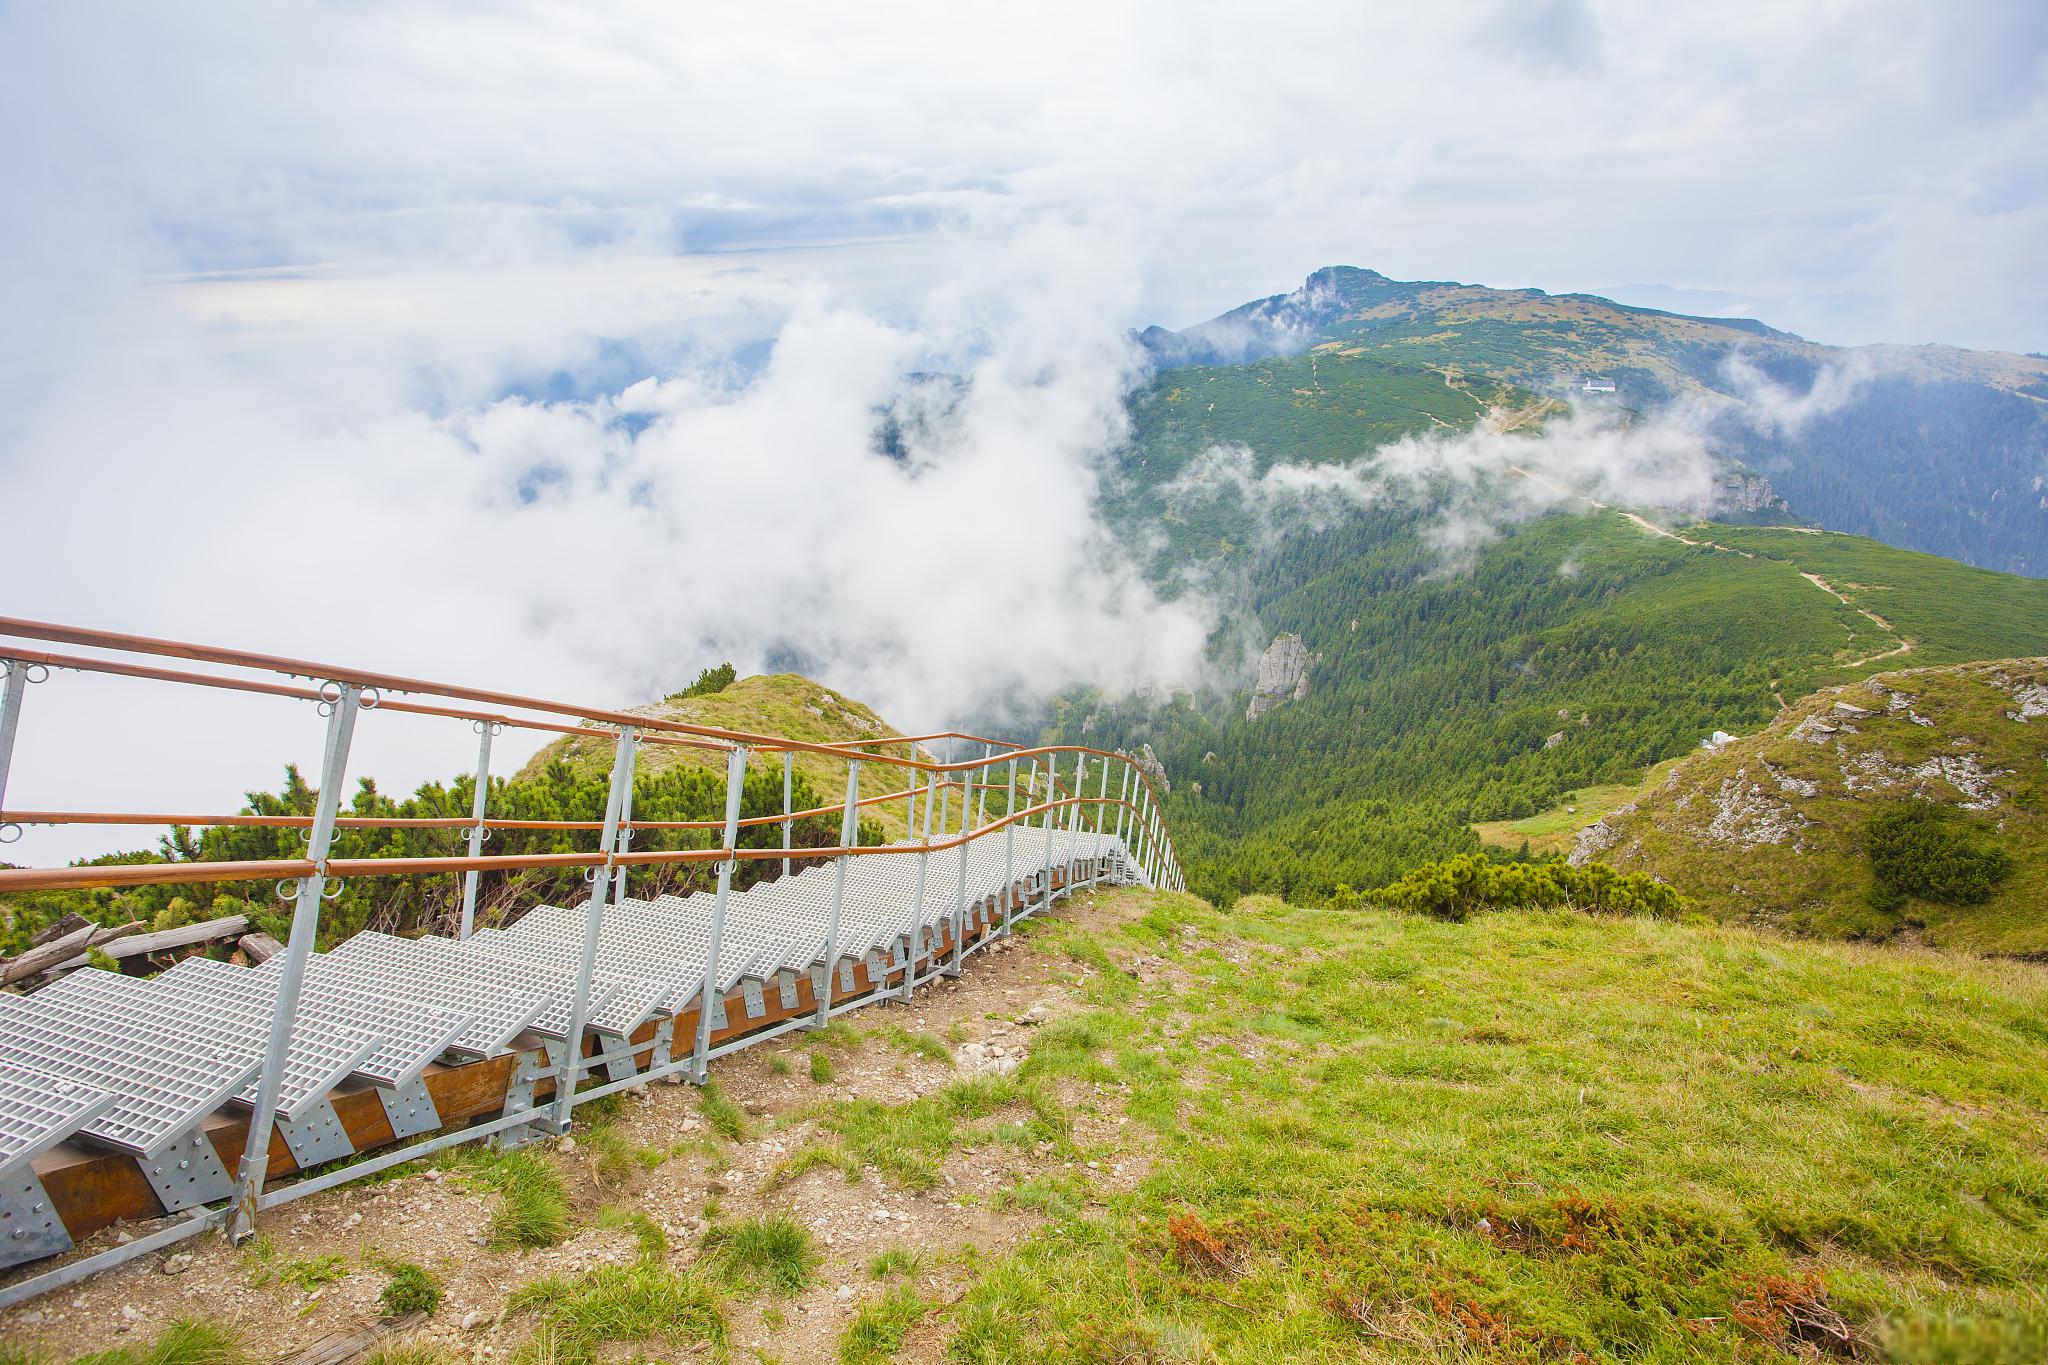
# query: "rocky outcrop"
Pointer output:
{"type": "Point", "coordinates": [1283, 675]}
{"type": "Point", "coordinates": [1149, 764]}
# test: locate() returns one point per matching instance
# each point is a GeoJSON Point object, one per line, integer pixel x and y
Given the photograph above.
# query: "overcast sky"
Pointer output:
{"type": "Point", "coordinates": [430, 336]}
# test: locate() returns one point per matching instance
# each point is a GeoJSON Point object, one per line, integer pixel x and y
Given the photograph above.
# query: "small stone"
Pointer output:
{"type": "Point", "coordinates": [473, 1318]}
{"type": "Point", "coordinates": [130, 1313]}
{"type": "Point", "coordinates": [352, 1220]}
{"type": "Point", "coordinates": [565, 1143]}
{"type": "Point", "coordinates": [843, 1292]}
{"type": "Point", "coordinates": [178, 1264]}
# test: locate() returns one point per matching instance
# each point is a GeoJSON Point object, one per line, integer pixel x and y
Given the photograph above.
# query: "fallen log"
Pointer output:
{"type": "Point", "coordinates": [51, 932]}
{"type": "Point", "coordinates": [338, 1348]}
{"type": "Point", "coordinates": [259, 947]}
{"type": "Point", "coordinates": [37, 960]}
{"type": "Point", "coordinates": [162, 940]}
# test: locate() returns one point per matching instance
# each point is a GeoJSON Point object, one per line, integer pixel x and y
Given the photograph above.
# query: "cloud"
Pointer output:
{"type": "Point", "coordinates": [1775, 408]}
{"type": "Point", "coordinates": [544, 344]}
{"type": "Point", "coordinates": [1477, 482]}
{"type": "Point", "coordinates": [599, 549]}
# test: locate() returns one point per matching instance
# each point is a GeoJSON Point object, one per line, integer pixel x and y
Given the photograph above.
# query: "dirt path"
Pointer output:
{"type": "Point", "coordinates": [1904, 646]}
{"type": "Point", "coordinates": [437, 1219]}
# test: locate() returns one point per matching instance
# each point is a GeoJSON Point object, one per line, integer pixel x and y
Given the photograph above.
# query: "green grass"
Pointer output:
{"type": "Point", "coordinates": [929, 1046]}
{"type": "Point", "coordinates": [894, 1261]}
{"type": "Point", "coordinates": [185, 1342]}
{"type": "Point", "coordinates": [879, 1326]}
{"type": "Point", "coordinates": [307, 1273]}
{"type": "Point", "coordinates": [410, 1353]}
{"type": "Point", "coordinates": [720, 1114]}
{"type": "Point", "coordinates": [1536, 1137]}
{"type": "Point", "coordinates": [773, 1251]}
{"type": "Point", "coordinates": [822, 1070]}
{"type": "Point", "coordinates": [579, 1319]}
{"type": "Point", "coordinates": [653, 1241]}
{"type": "Point", "coordinates": [907, 1143]}
{"type": "Point", "coordinates": [533, 1203]}
{"type": "Point", "coordinates": [1555, 830]}
{"type": "Point", "coordinates": [410, 1289]}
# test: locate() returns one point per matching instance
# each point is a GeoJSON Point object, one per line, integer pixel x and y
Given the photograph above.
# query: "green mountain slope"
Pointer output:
{"type": "Point", "coordinates": [1575, 650]}
{"type": "Point", "coordinates": [1946, 767]}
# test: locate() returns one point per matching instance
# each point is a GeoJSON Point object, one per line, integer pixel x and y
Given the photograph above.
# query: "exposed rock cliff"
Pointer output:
{"type": "Point", "coordinates": [1283, 675]}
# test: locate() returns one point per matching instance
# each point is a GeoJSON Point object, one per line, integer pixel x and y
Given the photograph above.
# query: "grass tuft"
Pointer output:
{"type": "Point", "coordinates": [877, 1330]}
{"type": "Point", "coordinates": [929, 1046]}
{"type": "Point", "coordinates": [894, 1261]}
{"type": "Point", "coordinates": [774, 1250]}
{"type": "Point", "coordinates": [533, 1203]}
{"type": "Point", "coordinates": [822, 1070]}
{"type": "Point", "coordinates": [411, 1289]}
{"type": "Point", "coordinates": [185, 1342]}
{"type": "Point", "coordinates": [579, 1316]}
{"type": "Point", "coordinates": [721, 1115]}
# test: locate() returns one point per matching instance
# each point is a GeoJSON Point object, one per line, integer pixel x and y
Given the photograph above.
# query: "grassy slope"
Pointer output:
{"type": "Point", "coordinates": [784, 704]}
{"type": "Point", "coordinates": [1814, 877]}
{"type": "Point", "coordinates": [1530, 1137]}
{"type": "Point", "coordinates": [1557, 829]}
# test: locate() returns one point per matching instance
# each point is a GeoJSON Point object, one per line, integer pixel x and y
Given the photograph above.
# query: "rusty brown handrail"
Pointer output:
{"type": "Point", "coordinates": [206, 873]}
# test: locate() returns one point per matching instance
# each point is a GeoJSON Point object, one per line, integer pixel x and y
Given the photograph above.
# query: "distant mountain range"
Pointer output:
{"type": "Point", "coordinates": [1930, 448]}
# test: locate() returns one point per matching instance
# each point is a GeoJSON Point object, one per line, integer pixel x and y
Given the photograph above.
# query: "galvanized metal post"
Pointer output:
{"type": "Point", "coordinates": [625, 839]}
{"type": "Point", "coordinates": [1052, 789]}
{"type": "Point", "coordinates": [1123, 796]}
{"type": "Point", "coordinates": [479, 800]}
{"type": "Point", "coordinates": [988, 751]}
{"type": "Point", "coordinates": [910, 812]}
{"type": "Point", "coordinates": [593, 929]}
{"type": "Point", "coordinates": [255, 1164]}
{"type": "Point", "coordinates": [960, 892]}
{"type": "Point", "coordinates": [1010, 848]}
{"type": "Point", "coordinates": [735, 786]}
{"type": "Point", "coordinates": [945, 797]}
{"type": "Point", "coordinates": [849, 837]}
{"type": "Point", "coordinates": [1074, 812]}
{"type": "Point", "coordinates": [917, 902]}
{"type": "Point", "coordinates": [1158, 848]}
{"type": "Point", "coordinates": [788, 774]}
{"type": "Point", "coordinates": [1141, 832]}
{"type": "Point", "coordinates": [11, 698]}
{"type": "Point", "coordinates": [1101, 812]}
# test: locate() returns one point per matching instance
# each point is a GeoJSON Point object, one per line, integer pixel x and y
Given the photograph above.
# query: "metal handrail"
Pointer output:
{"type": "Point", "coordinates": [1145, 848]}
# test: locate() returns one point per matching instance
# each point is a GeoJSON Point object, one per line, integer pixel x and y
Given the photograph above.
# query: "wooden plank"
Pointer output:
{"type": "Point", "coordinates": [140, 945]}
{"type": "Point", "coordinates": [338, 1348]}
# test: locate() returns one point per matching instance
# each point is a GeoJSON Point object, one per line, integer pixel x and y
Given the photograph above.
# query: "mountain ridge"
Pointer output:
{"type": "Point", "coordinates": [1929, 447]}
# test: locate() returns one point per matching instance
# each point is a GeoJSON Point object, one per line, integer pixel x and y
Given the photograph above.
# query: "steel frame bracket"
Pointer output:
{"type": "Point", "coordinates": [29, 1226]}
{"type": "Point", "coordinates": [526, 1069]}
{"type": "Point", "coordinates": [315, 1137]}
{"type": "Point", "coordinates": [409, 1108]}
{"type": "Point", "coordinates": [187, 1172]}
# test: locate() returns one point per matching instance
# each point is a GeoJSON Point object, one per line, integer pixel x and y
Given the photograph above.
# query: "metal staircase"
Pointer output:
{"type": "Point", "coordinates": [180, 1095]}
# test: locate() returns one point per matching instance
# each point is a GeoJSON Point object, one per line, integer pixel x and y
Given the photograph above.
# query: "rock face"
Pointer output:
{"type": "Point", "coordinates": [1149, 764]}
{"type": "Point", "coordinates": [1283, 675]}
